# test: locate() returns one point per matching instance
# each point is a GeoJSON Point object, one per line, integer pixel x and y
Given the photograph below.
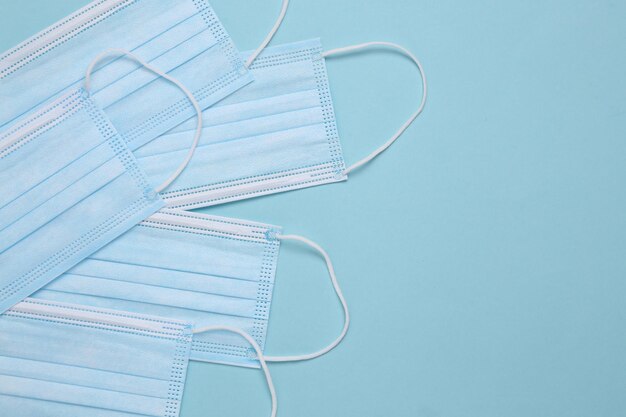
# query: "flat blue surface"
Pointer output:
{"type": "Point", "coordinates": [483, 256]}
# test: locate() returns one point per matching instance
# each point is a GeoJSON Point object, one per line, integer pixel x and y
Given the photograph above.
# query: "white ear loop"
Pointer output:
{"type": "Point", "coordinates": [120, 52]}
{"type": "Point", "coordinates": [342, 300]}
{"type": "Point", "coordinates": [257, 348]}
{"type": "Point", "coordinates": [406, 52]}
{"type": "Point", "coordinates": [268, 38]}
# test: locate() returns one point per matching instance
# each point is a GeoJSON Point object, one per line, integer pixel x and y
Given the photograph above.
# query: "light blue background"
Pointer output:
{"type": "Point", "coordinates": [483, 256]}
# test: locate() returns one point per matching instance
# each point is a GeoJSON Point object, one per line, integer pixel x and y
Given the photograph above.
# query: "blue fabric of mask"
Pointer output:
{"type": "Point", "coordinates": [68, 186]}
{"type": "Point", "coordinates": [277, 134]}
{"type": "Point", "coordinates": [205, 270]}
{"type": "Point", "coordinates": [68, 360]}
{"type": "Point", "coordinates": [202, 269]}
{"type": "Point", "coordinates": [183, 38]}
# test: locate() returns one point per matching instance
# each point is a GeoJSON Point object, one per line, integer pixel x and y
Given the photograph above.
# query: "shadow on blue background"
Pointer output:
{"type": "Point", "coordinates": [483, 255]}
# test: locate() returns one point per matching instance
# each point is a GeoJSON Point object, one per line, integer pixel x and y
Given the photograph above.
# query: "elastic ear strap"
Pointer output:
{"type": "Point", "coordinates": [259, 353]}
{"type": "Point", "coordinates": [404, 51]}
{"type": "Point", "coordinates": [268, 38]}
{"type": "Point", "coordinates": [342, 300]}
{"type": "Point", "coordinates": [120, 52]}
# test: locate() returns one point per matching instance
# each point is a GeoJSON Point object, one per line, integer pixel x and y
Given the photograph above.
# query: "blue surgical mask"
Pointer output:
{"type": "Point", "coordinates": [66, 360]}
{"type": "Point", "coordinates": [68, 186]}
{"type": "Point", "coordinates": [201, 269]}
{"type": "Point", "coordinates": [60, 359]}
{"type": "Point", "coordinates": [183, 38]}
{"type": "Point", "coordinates": [277, 134]}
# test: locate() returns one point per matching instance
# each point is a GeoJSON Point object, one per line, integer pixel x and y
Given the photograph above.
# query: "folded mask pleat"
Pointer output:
{"type": "Point", "coordinates": [150, 51]}
{"type": "Point", "coordinates": [50, 186]}
{"type": "Point", "coordinates": [234, 117]}
{"type": "Point", "coordinates": [165, 310]}
{"type": "Point", "coordinates": [166, 277]}
{"type": "Point", "coordinates": [257, 129]}
{"type": "Point", "coordinates": [138, 78]}
{"type": "Point", "coordinates": [152, 294]}
{"type": "Point", "coordinates": [44, 208]}
{"type": "Point", "coordinates": [42, 408]}
{"type": "Point", "coordinates": [83, 376]}
{"type": "Point", "coordinates": [75, 394]}
{"type": "Point", "coordinates": [182, 249]}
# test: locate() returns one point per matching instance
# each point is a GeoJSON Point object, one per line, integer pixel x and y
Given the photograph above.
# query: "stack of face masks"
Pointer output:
{"type": "Point", "coordinates": [108, 285]}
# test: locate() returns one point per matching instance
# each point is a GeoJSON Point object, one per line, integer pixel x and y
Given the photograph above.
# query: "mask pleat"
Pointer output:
{"type": "Point", "coordinates": [42, 408]}
{"type": "Point", "coordinates": [269, 87]}
{"type": "Point", "coordinates": [87, 377]}
{"type": "Point", "coordinates": [275, 81]}
{"type": "Point", "coordinates": [71, 174]}
{"type": "Point", "coordinates": [246, 145]}
{"type": "Point", "coordinates": [151, 50]}
{"type": "Point", "coordinates": [27, 222]}
{"type": "Point", "coordinates": [167, 62]}
{"type": "Point", "coordinates": [166, 310]}
{"type": "Point", "coordinates": [257, 129]}
{"type": "Point", "coordinates": [165, 277]}
{"type": "Point", "coordinates": [152, 294]}
{"type": "Point", "coordinates": [92, 397]}
{"type": "Point", "coordinates": [188, 250]}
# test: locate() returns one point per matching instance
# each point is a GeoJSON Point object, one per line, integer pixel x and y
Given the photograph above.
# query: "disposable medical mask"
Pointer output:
{"type": "Point", "coordinates": [277, 134]}
{"type": "Point", "coordinates": [201, 269]}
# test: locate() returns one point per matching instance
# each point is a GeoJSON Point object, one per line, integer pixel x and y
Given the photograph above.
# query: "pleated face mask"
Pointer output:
{"type": "Point", "coordinates": [201, 269]}
{"type": "Point", "coordinates": [276, 134]}
{"type": "Point", "coordinates": [61, 359]}
{"type": "Point", "coordinates": [64, 360]}
{"type": "Point", "coordinates": [183, 38]}
{"type": "Point", "coordinates": [68, 186]}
